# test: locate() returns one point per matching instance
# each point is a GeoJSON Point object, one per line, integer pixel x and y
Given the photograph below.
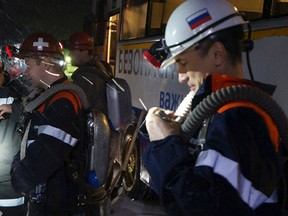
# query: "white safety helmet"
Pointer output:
{"type": "Point", "coordinates": [194, 20]}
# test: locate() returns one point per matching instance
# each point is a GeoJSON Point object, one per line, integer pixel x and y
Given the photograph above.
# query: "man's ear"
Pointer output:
{"type": "Point", "coordinates": [219, 53]}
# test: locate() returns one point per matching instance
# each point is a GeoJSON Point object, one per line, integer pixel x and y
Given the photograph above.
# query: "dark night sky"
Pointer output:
{"type": "Point", "coordinates": [19, 18]}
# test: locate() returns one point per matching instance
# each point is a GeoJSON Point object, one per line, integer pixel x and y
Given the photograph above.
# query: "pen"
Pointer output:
{"type": "Point", "coordinates": [143, 105]}
{"type": "Point", "coordinates": [159, 112]}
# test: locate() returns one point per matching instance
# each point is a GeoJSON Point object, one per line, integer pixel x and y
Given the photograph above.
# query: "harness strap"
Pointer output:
{"type": "Point", "coordinates": [273, 131]}
{"type": "Point", "coordinates": [70, 95]}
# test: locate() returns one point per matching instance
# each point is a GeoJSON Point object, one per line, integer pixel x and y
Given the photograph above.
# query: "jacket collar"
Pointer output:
{"type": "Point", "coordinates": [218, 81]}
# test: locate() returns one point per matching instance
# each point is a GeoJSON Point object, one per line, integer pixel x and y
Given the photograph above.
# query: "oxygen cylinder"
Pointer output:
{"type": "Point", "coordinates": [99, 141]}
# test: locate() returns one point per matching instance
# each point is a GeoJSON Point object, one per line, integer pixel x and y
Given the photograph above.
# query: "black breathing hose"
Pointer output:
{"type": "Point", "coordinates": [216, 100]}
{"type": "Point", "coordinates": [54, 89]}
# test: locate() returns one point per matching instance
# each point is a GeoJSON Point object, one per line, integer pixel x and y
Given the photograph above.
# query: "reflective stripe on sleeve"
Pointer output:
{"type": "Point", "coordinates": [11, 202]}
{"type": "Point", "coordinates": [8, 100]}
{"type": "Point", "coordinates": [58, 134]}
{"type": "Point", "coordinates": [29, 142]}
{"type": "Point", "coordinates": [230, 170]}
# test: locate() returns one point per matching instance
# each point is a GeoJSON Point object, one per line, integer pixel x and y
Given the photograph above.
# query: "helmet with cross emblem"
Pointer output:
{"type": "Point", "coordinates": [39, 45]}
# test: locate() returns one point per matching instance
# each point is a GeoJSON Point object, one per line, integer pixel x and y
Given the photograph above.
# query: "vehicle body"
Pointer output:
{"type": "Point", "coordinates": [134, 25]}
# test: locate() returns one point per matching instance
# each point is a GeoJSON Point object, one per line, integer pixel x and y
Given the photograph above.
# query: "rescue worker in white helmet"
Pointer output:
{"type": "Point", "coordinates": [45, 169]}
{"type": "Point", "coordinates": [91, 74]}
{"type": "Point", "coordinates": [229, 166]}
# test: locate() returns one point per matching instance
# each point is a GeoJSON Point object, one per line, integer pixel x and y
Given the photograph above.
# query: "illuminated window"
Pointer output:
{"type": "Point", "coordinates": [144, 18]}
{"type": "Point", "coordinates": [134, 18]}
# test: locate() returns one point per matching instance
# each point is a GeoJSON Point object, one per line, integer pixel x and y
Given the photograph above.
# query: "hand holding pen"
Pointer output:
{"type": "Point", "coordinates": [160, 123]}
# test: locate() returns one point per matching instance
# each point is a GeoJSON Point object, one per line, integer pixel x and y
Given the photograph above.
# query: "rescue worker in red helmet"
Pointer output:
{"type": "Point", "coordinates": [91, 74]}
{"type": "Point", "coordinates": [45, 170]}
{"type": "Point", "coordinates": [230, 165]}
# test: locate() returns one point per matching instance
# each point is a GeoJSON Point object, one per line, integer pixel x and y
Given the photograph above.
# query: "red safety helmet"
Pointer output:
{"type": "Point", "coordinates": [80, 41]}
{"type": "Point", "coordinates": [41, 45]}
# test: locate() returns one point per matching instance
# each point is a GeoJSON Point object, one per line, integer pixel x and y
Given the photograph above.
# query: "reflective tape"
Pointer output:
{"type": "Point", "coordinates": [58, 134]}
{"type": "Point", "coordinates": [8, 100]}
{"type": "Point", "coordinates": [230, 170]}
{"type": "Point", "coordinates": [11, 202]}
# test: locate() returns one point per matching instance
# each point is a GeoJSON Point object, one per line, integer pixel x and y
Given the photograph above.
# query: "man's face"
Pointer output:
{"type": "Point", "coordinates": [34, 72]}
{"type": "Point", "coordinates": [193, 68]}
{"type": "Point", "coordinates": [77, 57]}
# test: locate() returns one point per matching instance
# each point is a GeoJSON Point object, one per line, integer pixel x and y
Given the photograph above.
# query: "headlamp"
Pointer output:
{"type": "Point", "coordinates": [157, 53]}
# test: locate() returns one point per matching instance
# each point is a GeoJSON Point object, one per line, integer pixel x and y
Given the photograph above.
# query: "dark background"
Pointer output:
{"type": "Point", "coordinates": [19, 18]}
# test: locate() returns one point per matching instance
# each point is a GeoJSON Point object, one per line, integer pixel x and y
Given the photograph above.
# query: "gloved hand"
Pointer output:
{"type": "Point", "coordinates": [161, 126]}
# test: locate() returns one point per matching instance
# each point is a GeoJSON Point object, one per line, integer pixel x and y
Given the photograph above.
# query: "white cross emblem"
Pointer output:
{"type": "Point", "coordinates": [40, 44]}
